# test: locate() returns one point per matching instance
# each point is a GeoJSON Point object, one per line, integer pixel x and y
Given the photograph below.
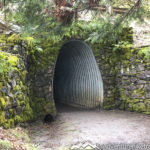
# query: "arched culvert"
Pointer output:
{"type": "Point", "coordinates": [77, 79]}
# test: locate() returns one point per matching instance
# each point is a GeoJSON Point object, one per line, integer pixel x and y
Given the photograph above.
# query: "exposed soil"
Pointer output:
{"type": "Point", "coordinates": [99, 127]}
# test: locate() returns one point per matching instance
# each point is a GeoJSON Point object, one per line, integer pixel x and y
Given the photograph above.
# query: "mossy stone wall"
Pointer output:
{"type": "Point", "coordinates": [26, 90]}
{"type": "Point", "coordinates": [133, 82]}
{"type": "Point", "coordinates": [14, 95]}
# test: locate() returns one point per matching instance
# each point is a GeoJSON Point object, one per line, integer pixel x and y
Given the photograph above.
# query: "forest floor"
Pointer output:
{"type": "Point", "coordinates": [16, 139]}
{"type": "Point", "coordinates": [141, 33]}
{"type": "Point", "coordinates": [76, 127]}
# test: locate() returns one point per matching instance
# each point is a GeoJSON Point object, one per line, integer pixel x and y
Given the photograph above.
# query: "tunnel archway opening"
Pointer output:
{"type": "Point", "coordinates": [77, 79]}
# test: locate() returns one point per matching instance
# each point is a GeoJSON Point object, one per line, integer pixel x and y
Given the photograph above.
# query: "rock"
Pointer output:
{"type": "Point", "coordinates": [14, 103]}
{"type": "Point", "coordinates": [140, 67]}
{"type": "Point", "coordinates": [133, 80]}
{"type": "Point", "coordinates": [15, 28]}
{"type": "Point", "coordinates": [6, 89]}
{"type": "Point", "coordinates": [40, 81]}
{"type": "Point", "coordinates": [10, 74]}
{"type": "Point", "coordinates": [147, 88]}
{"type": "Point", "coordinates": [46, 90]}
{"type": "Point", "coordinates": [127, 93]}
{"type": "Point", "coordinates": [147, 95]}
{"type": "Point", "coordinates": [135, 96]}
{"type": "Point", "coordinates": [8, 107]}
{"type": "Point", "coordinates": [18, 110]}
{"type": "Point", "coordinates": [8, 33]}
{"type": "Point", "coordinates": [10, 95]}
{"type": "Point", "coordinates": [40, 94]}
{"type": "Point", "coordinates": [133, 72]}
{"type": "Point", "coordinates": [128, 88]}
{"type": "Point", "coordinates": [140, 86]}
{"type": "Point", "coordinates": [48, 96]}
{"type": "Point", "coordinates": [7, 115]}
{"type": "Point", "coordinates": [141, 82]}
{"type": "Point", "coordinates": [126, 82]}
{"type": "Point", "coordinates": [125, 78]}
{"type": "Point", "coordinates": [13, 83]}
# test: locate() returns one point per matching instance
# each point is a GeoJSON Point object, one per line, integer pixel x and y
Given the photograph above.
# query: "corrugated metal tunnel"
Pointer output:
{"type": "Point", "coordinates": [77, 79]}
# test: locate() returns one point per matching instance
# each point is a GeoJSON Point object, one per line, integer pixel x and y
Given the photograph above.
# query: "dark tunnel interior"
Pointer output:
{"type": "Point", "coordinates": [77, 79]}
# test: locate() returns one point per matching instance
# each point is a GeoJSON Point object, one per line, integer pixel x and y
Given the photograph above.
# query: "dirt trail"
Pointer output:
{"type": "Point", "coordinates": [103, 127]}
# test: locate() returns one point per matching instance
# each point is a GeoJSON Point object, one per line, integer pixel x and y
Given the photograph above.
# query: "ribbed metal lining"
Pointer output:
{"type": "Point", "coordinates": [77, 79]}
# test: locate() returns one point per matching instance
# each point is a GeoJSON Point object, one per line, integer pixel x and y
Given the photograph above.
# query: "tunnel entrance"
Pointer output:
{"type": "Point", "coordinates": [77, 80]}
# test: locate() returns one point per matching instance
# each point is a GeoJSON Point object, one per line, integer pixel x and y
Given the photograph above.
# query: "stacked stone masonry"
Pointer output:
{"type": "Point", "coordinates": [133, 83]}
{"type": "Point", "coordinates": [14, 95]}
{"type": "Point", "coordinates": [26, 93]}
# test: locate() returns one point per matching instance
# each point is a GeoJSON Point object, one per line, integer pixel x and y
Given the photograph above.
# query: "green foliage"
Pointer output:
{"type": "Point", "coordinates": [28, 13]}
{"type": "Point", "coordinates": [14, 38]}
{"type": "Point", "coordinates": [93, 32]}
{"type": "Point", "coordinates": [122, 47]}
{"type": "Point", "coordinates": [36, 22]}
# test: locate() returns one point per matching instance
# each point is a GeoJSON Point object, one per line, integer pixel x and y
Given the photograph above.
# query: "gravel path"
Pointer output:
{"type": "Point", "coordinates": [103, 127]}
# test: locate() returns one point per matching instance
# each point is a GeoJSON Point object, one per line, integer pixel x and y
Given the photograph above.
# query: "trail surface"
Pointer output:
{"type": "Point", "coordinates": [74, 126]}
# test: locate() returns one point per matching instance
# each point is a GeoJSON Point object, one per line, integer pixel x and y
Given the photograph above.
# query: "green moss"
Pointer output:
{"type": "Point", "coordinates": [23, 75]}
{"type": "Point", "coordinates": [14, 38]}
{"type": "Point", "coordinates": [22, 103]}
{"type": "Point", "coordinates": [3, 38]}
{"type": "Point", "coordinates": [50, 108]}
{"type": "Point", "coordinates": [109, 107]}
{"type": "Point", "coordinates": [37, 107]}
{"type": "Point", "coordinates": [18, 119]}
{"type": "Point", "coordinates": [1, 84]}
{"type": "Point", "coordinates": [2, 117]}
{"type": "Point", "coordinates": [140, 92]}
{"type": "Point", "coordinates": [122, 106]}
{"type": "Point", "coordinates": [139, 107]}
{"type": "Point", "coordinates": [9, 124]}
{"type": "Point", "coordinates": [28, 108]}
{"type": "Point", "coordinates": [8, 62]}
{"type": "Point", "coordinates": [3, 103]}
{"type": "Point", "coordinates": [136, 100]}
{"type": "Point", "coordinates": [17, 88]}
{"type": "Point", "coordinates": [147, 113]}
{"type": "Point", "coordinates": [21, 97]}
{"type": "Point", "coordinates": [26, 115]}
{"type": "Point", "coordinates": [145, 53]}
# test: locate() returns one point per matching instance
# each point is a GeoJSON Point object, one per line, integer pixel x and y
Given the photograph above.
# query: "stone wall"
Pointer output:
{"type": "Point", "coordinates": [133, 83]}
{"type": "Point", "coordinates": [26, 87]}
{"type": "Point", "coordinates": [106, 67]}
{"type": "Point", "coordinates": [14, 96]}
{"type": "Point", "coordinates": [42, 89]}
{"type": "Point", "coordinates": [41, 83]}
{"type": "Point", "coordinates": [42, 97]}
